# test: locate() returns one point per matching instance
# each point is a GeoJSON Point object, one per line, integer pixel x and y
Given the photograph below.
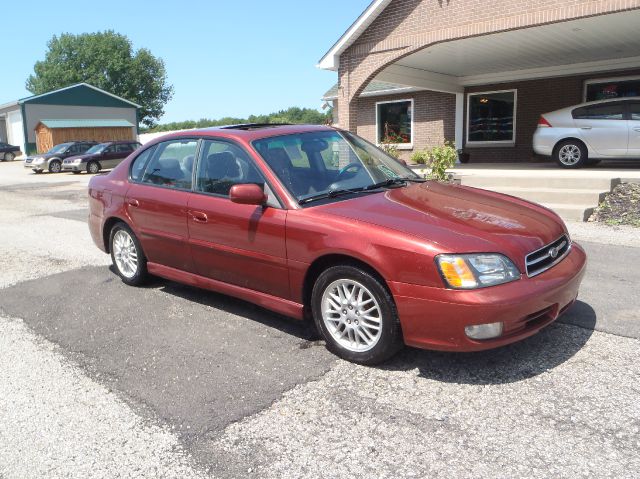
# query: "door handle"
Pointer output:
{"type": "Point", "coordinates": [636, 128]}
{"type": "Point", "coordinates": [133, 202]}
{"type": "Point", "coordinates": [199, 217]}
{"type": "Point", "coordinates": [585, 127]}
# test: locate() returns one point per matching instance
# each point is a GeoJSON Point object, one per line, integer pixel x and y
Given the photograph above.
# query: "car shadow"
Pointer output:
{"type": "Point", "coordinates": [300, 329]}
{"type": "Point", "coordinates": [531, 357]}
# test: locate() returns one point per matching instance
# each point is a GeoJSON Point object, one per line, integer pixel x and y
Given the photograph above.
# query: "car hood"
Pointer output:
{"type": "Point", "coordinates": [456, 218]}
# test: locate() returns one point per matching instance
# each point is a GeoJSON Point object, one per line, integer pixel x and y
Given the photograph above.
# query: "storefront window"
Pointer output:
{"type": "Point", "coordinates": [612, 88]}
{"type": "Point", "coordinates": [491, 117]}
{"type": "Point", "coordinates": [395, 122]}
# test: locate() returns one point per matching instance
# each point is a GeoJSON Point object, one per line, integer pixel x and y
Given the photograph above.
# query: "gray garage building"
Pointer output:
{"type": "Point", "coordinates": [19, 119]}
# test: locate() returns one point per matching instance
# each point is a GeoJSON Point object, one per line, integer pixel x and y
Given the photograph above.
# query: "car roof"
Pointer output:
{"type": "Point", "coordinates": [608, 100]}
{"type": "Point", "coordinates": [248, 132]}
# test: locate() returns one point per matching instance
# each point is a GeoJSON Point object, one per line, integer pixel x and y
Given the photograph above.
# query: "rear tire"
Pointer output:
{"type": "Point", "coordinates": [9, 156]}
{"type": "Point", "coordinates": [127, 256]}
{"type": "Point", "coordinates": [93, 167]}
{"type": "Point", "coordinates": [356, 315]}
{"type": "Point", "coordinates": [571, 154]}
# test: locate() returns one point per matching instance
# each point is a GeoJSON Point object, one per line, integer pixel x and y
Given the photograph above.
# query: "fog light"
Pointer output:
{"type": "Point", "coordinates": [484, 331]}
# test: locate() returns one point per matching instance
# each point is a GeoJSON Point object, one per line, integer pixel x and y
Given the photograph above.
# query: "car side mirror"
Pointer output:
{"type": "Point", "coordinates": [248, 194]}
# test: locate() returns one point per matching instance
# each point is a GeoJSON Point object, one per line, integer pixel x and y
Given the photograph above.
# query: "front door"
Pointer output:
{"type": "Point", "coordinates": [634, 129]}
{"type": "Point", "coordinates": [604, 128]}
{"type": "Point", "coordinates": [238, 244]}
{"type": "Point", "coordinates": [157, 203]}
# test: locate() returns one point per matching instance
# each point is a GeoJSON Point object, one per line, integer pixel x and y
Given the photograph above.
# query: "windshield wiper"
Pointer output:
{"type": "Point", "coordinates": [333, 194]}
{"type": "Point", "coordinates": [392, 182]}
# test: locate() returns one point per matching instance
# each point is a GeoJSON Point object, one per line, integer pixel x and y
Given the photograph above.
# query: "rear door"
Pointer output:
{"type": "Point", "coordinates": [157, 200]}
{"type": "Point", "coordinates": [122, 150]}
{"type": "Point", "coordinates": [634, 129]}
{"type": "Point", "coordinates": [604, 128]}
{"type": "Point", "coordinates": [109, 157]}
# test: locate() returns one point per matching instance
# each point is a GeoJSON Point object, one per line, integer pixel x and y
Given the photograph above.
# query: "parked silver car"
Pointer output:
{"type": "Point", "coordinates": [584, 134]}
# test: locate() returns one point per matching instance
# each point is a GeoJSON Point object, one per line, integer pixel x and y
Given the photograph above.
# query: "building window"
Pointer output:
{"type": "Point", "coordinates": [491, 117]}
{"type": "Point", "coordinates": [394, 120]}
{"type": "Point", "coordinates": [605, 88]}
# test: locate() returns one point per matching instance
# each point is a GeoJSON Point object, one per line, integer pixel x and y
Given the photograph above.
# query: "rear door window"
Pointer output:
{"type": "Point", "coordinates": [605, 111]}
{"type": "Point", "coordinates": [165, 167]}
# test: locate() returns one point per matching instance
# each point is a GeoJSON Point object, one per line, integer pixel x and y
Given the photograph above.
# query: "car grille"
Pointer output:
{"type": "Point", "coordinates": [547, 256]}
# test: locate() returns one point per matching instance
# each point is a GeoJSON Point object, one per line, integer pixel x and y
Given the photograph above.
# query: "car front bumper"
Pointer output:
{"type": "Point", "coordinates": [73, 167]}
{"type": "Point", "coordinates": [36, 166]}
{"type": "Point", "coordinates": [435, 318]}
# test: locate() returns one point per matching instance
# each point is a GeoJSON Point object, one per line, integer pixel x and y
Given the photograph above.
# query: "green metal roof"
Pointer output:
{"type": "Point", "coordinates": [80, 94]}
{"type": "Point", "coordinates": [373, 88]}
{"type": "Point", "coordinates": [86, 123]}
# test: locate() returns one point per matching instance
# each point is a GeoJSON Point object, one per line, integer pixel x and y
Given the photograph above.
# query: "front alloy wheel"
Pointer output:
{"type": "Point", "coordinates": [127, 256]}
{"type": "Point", "coordinates": [93, 167]}
{"type": "Point", "coordinates": [356, 314]}
{"type": "Point", "coordinates": [55, 166]}
{"type": "Point", "coordinates": [351, 315]}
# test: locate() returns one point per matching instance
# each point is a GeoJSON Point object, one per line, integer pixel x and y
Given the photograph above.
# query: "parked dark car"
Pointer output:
{"type": "Point", "coordinates": [8, 152]}
{"type": "Point", "coordinates": [314, 222]}
{"type": "Point", "coordinates": [101, 156]}
{"type": "Point", "coordinates": [52, 159]}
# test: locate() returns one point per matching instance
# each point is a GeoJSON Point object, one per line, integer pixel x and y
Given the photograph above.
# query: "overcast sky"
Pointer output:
{"type": "Point", "coordinates": [224, 58]}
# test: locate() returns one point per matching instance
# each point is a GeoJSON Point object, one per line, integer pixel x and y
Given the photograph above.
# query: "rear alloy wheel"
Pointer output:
{"type": "Point", "coordinates": [55, 166]}
{"type": "Point", "coordinates": [93, 167]}
{"type": "Point", "coordinates": [9, 156]}
{"type": "Point", "coordinates": [127, 255]}
{"type": "Point", "coordinates": [571, 154]}
{"type": "Point", "coordinates": [356, 315]}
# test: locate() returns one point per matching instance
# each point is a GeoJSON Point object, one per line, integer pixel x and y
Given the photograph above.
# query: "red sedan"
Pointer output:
{"type": "Point", "coordinates": [314, 222]}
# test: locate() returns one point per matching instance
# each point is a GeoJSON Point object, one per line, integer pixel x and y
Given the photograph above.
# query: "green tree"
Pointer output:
{"type": "Point", "coordinates": [105, 60]}
{"type": "Point", "coordinates": [294, 115]}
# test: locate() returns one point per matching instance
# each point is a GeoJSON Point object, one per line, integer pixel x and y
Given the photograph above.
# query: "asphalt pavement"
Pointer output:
{"type": "Point", "coordinates": [107, 380]}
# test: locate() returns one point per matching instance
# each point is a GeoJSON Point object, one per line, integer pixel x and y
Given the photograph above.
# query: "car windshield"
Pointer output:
{"type": "Point", "coordinates": [325, 164]}
{"type": "Point", "coordinates": [61, 148]}
{"type": "Point", "coordinates": [97, 148]}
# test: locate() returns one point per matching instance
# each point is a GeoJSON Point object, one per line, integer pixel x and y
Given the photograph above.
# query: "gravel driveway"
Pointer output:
{"type": "Point", "coordinates": [102, 380]}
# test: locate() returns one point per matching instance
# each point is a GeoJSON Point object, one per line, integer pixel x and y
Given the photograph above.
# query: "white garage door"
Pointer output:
{"type": "Point", "coordinates": [15, 134]}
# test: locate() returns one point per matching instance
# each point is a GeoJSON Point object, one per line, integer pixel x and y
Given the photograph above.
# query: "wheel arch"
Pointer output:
{"type": "Point", "coordinates": [570, 138]}
{"type": "Point", "coordinates": [326, 261]}
{"type": "Point", "coordinates": [108, 226]}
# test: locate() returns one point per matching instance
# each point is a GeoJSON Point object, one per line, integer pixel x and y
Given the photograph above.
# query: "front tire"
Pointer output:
{"type": "Point", "coordinates": [93, 167]}
{"type": "Point", "coordinates": [356, 314]}
{"type": "Point", "coordinates": [127, 256]}
{"type": "Point", "coordinates": [55, 166]}
{"type": "Point", "coordinates": [571, 154]}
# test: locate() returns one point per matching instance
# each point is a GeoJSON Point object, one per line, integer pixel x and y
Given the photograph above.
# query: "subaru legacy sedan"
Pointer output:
{"type": "Point", "coordinates": [317, 224]}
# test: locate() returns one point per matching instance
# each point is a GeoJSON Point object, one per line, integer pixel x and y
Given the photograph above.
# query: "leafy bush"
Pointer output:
{"type": "Point", "coordinates": [440, 159]}
{"type": "Point", "coordinates": [421, 157]}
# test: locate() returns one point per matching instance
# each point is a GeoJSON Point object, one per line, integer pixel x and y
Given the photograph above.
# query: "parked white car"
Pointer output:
{"type": "Point", "coordinates": [584, 134]}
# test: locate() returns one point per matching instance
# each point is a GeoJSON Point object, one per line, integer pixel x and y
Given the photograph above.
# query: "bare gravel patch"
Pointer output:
{"type": "Point", "coordinates": [56, 422]}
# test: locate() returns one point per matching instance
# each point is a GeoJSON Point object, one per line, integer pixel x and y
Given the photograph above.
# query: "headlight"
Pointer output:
{"type": "Point", "coordinates": [78, 160]}
{"type": "Point", "coordinates": [38, 160]}
{"type": "Point", "coordinates": [471, 271]}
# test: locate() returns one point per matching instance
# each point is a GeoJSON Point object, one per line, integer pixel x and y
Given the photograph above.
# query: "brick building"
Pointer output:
{"type": "Point", "coordinates": [479, 73]}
